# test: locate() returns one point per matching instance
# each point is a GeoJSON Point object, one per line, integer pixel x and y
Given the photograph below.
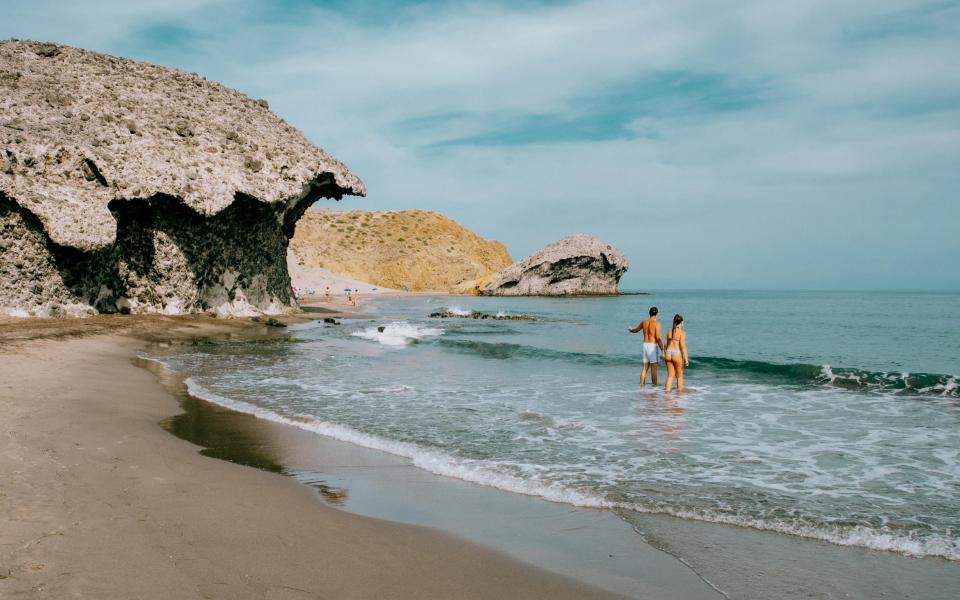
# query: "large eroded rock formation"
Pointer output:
{"type": "Point", "coordinates": [574, 265]}
{"type": "Point", "coordinates": [130, 186]}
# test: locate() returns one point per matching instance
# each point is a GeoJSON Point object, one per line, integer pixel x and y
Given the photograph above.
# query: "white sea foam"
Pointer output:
{"type": "Point", "coordinates": [811, 454]}
{"type": "Point", "coordinates": [492, 474]}
{"type": "Point", "coordinates": [946, 389]}
{"type": "Point", "coordinates": [456, 310]}
{"type": "Point", "coordinates": [860, 536]}
{"type": "Point", "coordinates": [398, 333]}
{"type": "Point", "coordinates": [833, 378]}
{"type": "Point", "coordinates": [436, 462]}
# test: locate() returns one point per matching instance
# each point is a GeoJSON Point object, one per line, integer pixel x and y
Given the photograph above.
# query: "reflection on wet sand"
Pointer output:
{"type": "Point", "coordinates": [230, 435]}
{"type": "Point", "coordinates": [223, 433]}
{"type": "Point", "coordinates": [334, 495]}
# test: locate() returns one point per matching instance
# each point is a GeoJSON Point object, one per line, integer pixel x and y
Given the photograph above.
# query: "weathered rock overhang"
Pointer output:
{"type": "Point", "coordinates": [127, 186]}
{"type": "Point", "coordinates": [165, 257]}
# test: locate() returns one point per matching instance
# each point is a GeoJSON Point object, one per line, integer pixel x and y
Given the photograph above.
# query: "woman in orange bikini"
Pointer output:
{"type": "Point", "coordinates": [675, 354]}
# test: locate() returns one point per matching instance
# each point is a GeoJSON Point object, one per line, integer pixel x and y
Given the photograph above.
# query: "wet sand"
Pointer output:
{"type": "Point", "coordinates": [97, 500]}
{"type": "Point", "coordinates": [590, 545]}
{"type": "Point", "coordinates": [666, 558]}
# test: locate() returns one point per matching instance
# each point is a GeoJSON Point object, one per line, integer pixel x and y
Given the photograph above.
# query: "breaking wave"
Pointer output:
{"type": "Point", "coordinates": [926, 384]}
{"type": "Point", "coordinates": [493, 474]}
{"type": "Point", "coordinates": [398, 333]}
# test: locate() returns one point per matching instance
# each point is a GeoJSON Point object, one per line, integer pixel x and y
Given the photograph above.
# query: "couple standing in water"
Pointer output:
{"type": "Point", "coordinates": [674, 351]}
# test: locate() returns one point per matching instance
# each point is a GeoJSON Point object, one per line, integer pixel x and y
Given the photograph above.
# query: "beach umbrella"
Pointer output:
{"type": "Point", "coordinates": [347, 290]}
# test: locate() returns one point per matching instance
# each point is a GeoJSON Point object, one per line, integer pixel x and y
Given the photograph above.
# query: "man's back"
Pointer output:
{"type": "Point", "coordinates": [651, 330]}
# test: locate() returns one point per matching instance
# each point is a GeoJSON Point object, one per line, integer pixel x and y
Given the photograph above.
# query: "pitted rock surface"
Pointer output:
{"type": "Point", "coordinates": [89, 142]}
{"type": "Point", "coordinates": [574, 265]}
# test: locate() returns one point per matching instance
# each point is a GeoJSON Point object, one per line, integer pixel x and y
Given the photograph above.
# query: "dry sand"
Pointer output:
{"type": "Point", "coordinates": [97, 501]}
{"type": "Point", "coordinates": [319, 279]}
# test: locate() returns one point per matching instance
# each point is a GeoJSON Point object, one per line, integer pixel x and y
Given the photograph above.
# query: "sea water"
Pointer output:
{"type": "Point", "coordinates": [829, 415]}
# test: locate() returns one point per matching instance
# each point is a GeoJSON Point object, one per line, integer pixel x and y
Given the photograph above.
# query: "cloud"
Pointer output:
{"type": "Point", "coordinates": [748, 144]}
{"type": "Point", "coordinates": [92, 24]}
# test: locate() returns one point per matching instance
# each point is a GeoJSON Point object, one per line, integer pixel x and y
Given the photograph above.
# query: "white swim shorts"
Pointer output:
{"type": "Point", "coordinates": [651, 353]}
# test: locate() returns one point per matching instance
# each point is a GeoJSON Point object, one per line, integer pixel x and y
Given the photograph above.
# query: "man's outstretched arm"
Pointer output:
{"type": "Point", "coordinates": [636, 329]}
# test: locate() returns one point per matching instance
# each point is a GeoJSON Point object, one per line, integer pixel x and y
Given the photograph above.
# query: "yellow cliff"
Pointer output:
{"type": "Point", "coordinates": [412, 249]}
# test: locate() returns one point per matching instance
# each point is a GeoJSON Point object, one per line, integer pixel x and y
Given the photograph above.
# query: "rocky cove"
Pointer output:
{"type": "Point", "coordinates": [128, 187]}
{"type": "Point", "coordinates": [422, 250]}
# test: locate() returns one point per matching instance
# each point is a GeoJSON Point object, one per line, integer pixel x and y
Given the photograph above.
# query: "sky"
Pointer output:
{"type": "Point", "coordinates": [760, 144]}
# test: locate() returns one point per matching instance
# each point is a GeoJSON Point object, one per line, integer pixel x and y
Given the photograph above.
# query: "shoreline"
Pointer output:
{"type": "Point", "coordinates": [736, 561]}
{"type": "Point", "coordinates": [594, 546]}
{"type": "Point", "coordinates": [744, 563]}
{"type": "Point", "coordinates": [97, 499]}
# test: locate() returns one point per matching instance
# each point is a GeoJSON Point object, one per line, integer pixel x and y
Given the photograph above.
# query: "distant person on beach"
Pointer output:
{"type": "Point", "coordinates": [327, 292]}
{"type": "Point", "coordinates": [675, 353]}
{"type": "Point", "coordinates": [652, 345]}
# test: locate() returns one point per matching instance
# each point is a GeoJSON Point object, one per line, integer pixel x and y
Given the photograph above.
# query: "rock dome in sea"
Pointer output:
{"type": "Point", "coordinates": [574, 265]}
{"type": "Point", "coordinates": [127, 186]}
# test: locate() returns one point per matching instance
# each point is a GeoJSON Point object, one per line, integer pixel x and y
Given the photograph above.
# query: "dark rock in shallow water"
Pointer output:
{"type": "Point", "coordinates": [137, 188]}
{"type": "Point", "coordinates": [446, 314]}
{"type": "Point", "coordinates": [331, 320]}
{"type": "Point", "coordinates": [574, 265]}
{"type": "Point", "coordinates": [271, 322]}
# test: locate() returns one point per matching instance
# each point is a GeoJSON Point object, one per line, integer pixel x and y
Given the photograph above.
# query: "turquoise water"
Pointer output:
{"type": "Point", "coordinates": [834, 416]}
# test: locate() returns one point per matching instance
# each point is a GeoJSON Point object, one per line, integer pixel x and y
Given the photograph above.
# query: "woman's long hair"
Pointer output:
{"type": "Point", "coordinates": [677, 319]}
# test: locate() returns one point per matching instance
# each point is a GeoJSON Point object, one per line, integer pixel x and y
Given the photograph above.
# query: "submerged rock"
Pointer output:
{"type": "Point", "coordinates": [451, 314]}
{"type": "Point", "coordinates": [574, 265]}
{"type": "Point", "coordinates": [130, 187]}
{"type": "Point", "coordinates": [270, 322]}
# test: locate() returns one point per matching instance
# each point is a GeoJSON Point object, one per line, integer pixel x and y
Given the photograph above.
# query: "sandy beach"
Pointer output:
{"type": "Point", "coordinates": [341, 300]}
{"type": "Point", "coordinates": [98, 501]}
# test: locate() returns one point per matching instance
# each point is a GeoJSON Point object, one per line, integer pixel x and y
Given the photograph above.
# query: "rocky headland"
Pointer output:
{"type": "Point", "coordinates": [574, 265]}
{"type": "Point", "coordinates": [131, 187]}
{"type": "Point", "coordinates": [416, 250]}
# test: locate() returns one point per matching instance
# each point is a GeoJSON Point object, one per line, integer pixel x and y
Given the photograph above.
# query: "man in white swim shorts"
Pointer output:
{"type": "Point", "coordinates": [652, 345]}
